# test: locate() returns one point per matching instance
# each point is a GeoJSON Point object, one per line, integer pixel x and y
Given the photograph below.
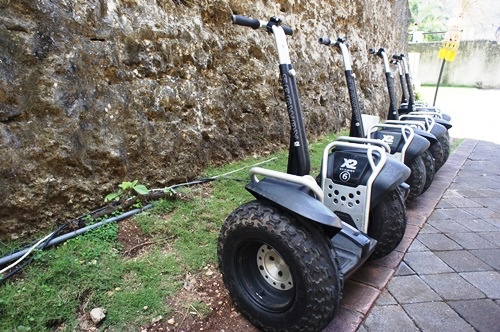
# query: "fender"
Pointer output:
{"type": "Point", "coordinates": [390, 177]}
{"type": "Point", "coordinates": [294, 198]}
{"type": "Point", "coordinates": [428, 136]}
{"type": "Point", "coordinates": [444, 122]}
{"type": "Point", "coordinates": [417, 146]}
{"type": "Point", "coordinates": [438, 130]}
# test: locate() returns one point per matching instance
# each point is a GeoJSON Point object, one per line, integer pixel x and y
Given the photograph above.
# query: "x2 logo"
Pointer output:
{"type": "Point", "coordinates": [347, 167]}
{"type": "Point", "coordinates": [349, 164]}
{"type": "Point", "coordinates": [389, 139]}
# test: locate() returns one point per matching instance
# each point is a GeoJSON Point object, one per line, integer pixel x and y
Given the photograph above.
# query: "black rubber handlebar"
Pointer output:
{"type": "Point", "coordinates": [256, 24]}
{"type": "Point", "coordinates": [325, 41]}
{"type": "Point", "coordinates": [397, 57]}
{"type": "Point", "coordinates": [245, 21]}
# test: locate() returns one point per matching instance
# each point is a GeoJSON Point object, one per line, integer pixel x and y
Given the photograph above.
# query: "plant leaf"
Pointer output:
{"type": "Point", "coordinates": [141, 189]}
{"type": "Point", "coordinates": [112, 197]}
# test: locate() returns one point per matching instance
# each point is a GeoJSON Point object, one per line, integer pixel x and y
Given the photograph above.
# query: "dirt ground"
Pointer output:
{"type": "Point", "coordinates": [218, 312]}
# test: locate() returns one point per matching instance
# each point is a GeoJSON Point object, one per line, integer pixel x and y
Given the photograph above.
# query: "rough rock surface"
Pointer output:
{"type": "Point", "coordinates": [96, 92]}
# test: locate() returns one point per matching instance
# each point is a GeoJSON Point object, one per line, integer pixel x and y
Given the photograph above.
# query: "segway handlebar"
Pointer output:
{"type": "Point", "coordinates": [258, 24]}
{"type": "Point", "coordinates": [327, 41]}
{"type": "Point", "coordinates": [380, 52]}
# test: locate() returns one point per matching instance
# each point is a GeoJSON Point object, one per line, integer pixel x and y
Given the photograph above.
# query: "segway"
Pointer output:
{"type": "Point", "coordinates": [431, 121]}
{"type": "Point", "coordinates": [285, 255]}
{"type": "Point", "coordinates": [404, 144]}
{"type": "Point", "coordinates": [408, 103]}
{"type": "Point", "coordinates": [393, 118]}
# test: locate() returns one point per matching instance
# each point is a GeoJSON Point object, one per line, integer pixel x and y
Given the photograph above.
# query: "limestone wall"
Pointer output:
{"type": "Point", "coordinates": [96, 92]}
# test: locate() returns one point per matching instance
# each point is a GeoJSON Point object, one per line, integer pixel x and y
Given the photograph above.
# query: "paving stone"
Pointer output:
{"type": "Point", "coordinates": [444, 204]}
{"type": "Point", "coordinates": [493, 237]}
{"type": "Point", "coordinates": [484, 315]}
{"type": "Point", "coordinates": [417, 246]}
{"type": "Point", "coordinates": [453, 214]}
{"type": "Point", "coordinates": [426, 262]}
{"type": "Point", "coordinates": [477, 225]}
{"type": "Point", "coordinates": [438, 242]}
{"type": "Point", "coordinates": [450, 286]}
{"type": "Point", "coordinates": [463, 261]}
{"type": "Point", "coordinates": [495, 222]}
{"type": "Point", "coordinates": [462, 202]}
{"type": "Point", "coordinates": [385, 298]}
{"type": "Point", "coordinates": [452, 194]}
{"type": "Point", "coordinates": [471, 241]}
{"type": "Point", "coordinates": [374, 275]}
{"type": "Point", "coordinates": [428, 228]}
{"type": "Point", "coordinates": [488, 202]}
{"type": "Point", "coordinates": [389, 318]}
{"type": "Point", "coordinates": [437, 316]}
{"type": "Point", "coordinates": [359, 297]}
{"type": "Point", "coordinates": [439, 214]}
{"type": "Point", "coordinates": [345, 320]}
{"type": "Point", "coordinates": [482, 212]}
{"type": "Point", "coordinates": [489, 256]}
{"type": "Point", "coordinates": [447, 226]}
{"type": "Point", "coordinates": [411, 289]}
{"type": "Point", "coordinates": [478, 193]}
{"type": "Point", "coordinates": [404, 270]}
{"type": "Point", "coordinates": [488, 282]}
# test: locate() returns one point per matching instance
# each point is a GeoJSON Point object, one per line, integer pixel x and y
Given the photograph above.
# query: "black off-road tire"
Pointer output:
{"type": "Point", "coordinates": [445, 143]}
{"type": "Point", "coordinates": [437, 152]}
{"type": "Point", "coordinates": [282, 272]}
{"type": "Point", "coordinates": [387, 224]}
{"type": "Point", "coordinates": [417, 178]}
{"type": "Point", "coordinates": [429, 169]}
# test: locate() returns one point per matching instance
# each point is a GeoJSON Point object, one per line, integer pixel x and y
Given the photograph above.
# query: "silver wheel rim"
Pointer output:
{"type": "Point", "coordinates": [273, 268]}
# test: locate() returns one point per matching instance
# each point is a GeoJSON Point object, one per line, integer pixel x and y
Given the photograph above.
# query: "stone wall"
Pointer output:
{"type": "Point", "coordinates": [476, 64]}
{"type": "Point", "coordinates": [96, 92]}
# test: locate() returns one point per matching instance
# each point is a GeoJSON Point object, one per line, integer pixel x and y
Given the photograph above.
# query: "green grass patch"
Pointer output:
{"type": "Point", "coordinates": [455, 143]}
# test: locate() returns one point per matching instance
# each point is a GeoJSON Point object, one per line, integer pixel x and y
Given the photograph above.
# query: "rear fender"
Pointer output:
{"type": "Point", "coordinates": [294, 198]}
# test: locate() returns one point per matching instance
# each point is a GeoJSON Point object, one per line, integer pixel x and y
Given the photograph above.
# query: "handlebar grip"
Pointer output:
{"type": "Point", "coordinates": [325, 41]}
{"type": "Point", "coordinates": [245, 21]}
{"type": "Point", "coordinates": [256, 24]}
{"type": "Point", "coordinates": [372, 51]}
{"type": "Point", "coordinates": [397, 57]}
{"type": "Point", "coordinates": [287, 29]}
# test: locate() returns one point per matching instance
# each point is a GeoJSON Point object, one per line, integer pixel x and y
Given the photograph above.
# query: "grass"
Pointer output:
{"type": "Point", "coordinates": [67, 281]}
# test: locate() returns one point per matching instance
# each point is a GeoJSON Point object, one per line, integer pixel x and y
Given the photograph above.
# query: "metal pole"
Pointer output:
{"type": "Point", "coordinates": [439, 80]}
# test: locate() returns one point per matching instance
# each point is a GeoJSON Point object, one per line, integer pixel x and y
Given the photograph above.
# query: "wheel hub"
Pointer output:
{"type": "Point", "coordinates": [273, 268]}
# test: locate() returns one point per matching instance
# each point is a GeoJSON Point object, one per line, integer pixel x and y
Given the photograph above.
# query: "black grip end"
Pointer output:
{"type": "Point", "coordinates": [325, 41]}
{"type": "Point", "coordinates": [288, 30]}
{"type": "Point", "coordinates": [372, 51]}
